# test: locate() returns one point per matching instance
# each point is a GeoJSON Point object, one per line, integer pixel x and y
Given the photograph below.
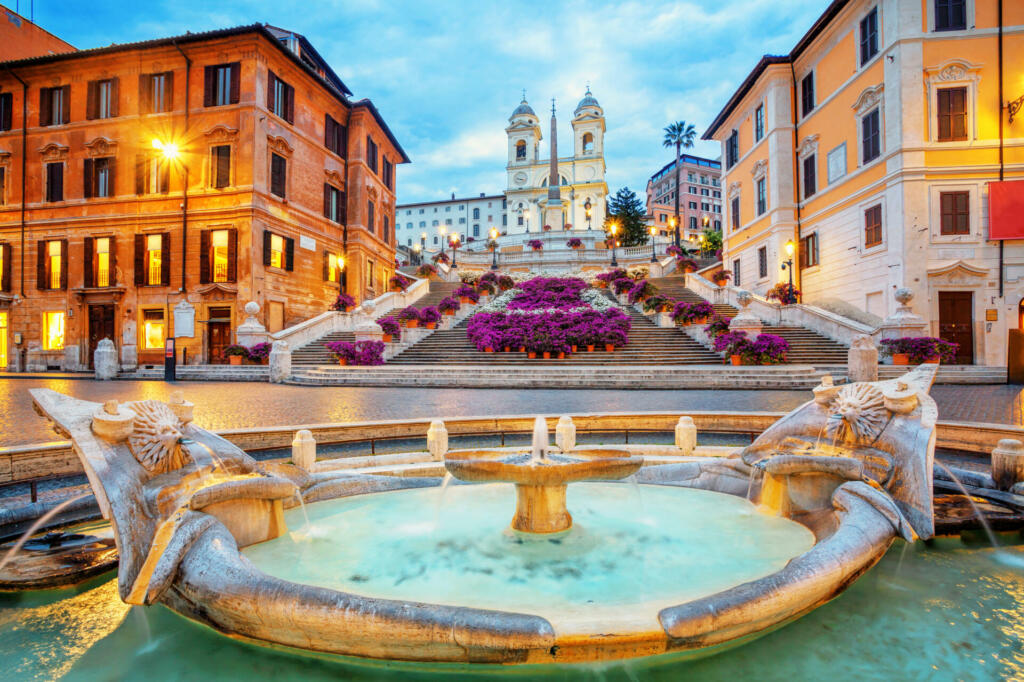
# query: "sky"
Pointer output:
{"type": "Point", "coordinates": [447, 74]}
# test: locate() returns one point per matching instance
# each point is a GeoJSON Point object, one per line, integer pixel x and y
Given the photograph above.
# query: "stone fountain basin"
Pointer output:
{"type": "Point", "coordinates": [556, 469]}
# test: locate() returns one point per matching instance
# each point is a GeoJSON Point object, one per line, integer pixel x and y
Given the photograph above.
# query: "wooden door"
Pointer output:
{"type": "Point", "coordinates": [101, 326]}
{"type": "Point", "coordinates": [219, 334]}
{"type": "Point", "coordinates": [956, 323]}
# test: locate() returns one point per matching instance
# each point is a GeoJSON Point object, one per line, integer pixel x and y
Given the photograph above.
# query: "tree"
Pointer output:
{"type": "Point", "coordinates": [626, 209]}
{"type": "Point", "coordinates": [712, 240]}
{"type": "Point", "coordinates": [679, 134]}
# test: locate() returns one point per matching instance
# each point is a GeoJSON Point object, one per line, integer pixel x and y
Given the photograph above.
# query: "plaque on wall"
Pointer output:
{"type": "Point", "coordinates": [184, 320]}
{"type": "Point", "coordinates": [308, 243]}
{"type": "Point", "coordinates": [991, 315]}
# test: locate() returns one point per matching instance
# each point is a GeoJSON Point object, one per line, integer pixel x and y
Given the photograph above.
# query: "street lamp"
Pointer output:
{"type": "Point", "coordinates": [613, 228]}
{"type": "Point", "coordinates": [494, 248]}
{"type": "Point", "coordinates": [423, 242]}
{"type": "Point", "coordinates": [589, 209]}
{"type": "Point", "coordinates": [454, 242]}
{"type": "Point", "coordinates": [788, 264]}
{"type": "Point", "coordinates": [654, 231]}
{"type": "Point", "coordinates": [674, 224]}
{"type": "Point", "coordinates": [171, 153]}
{"type": "Point", "coordinates": [418, 250]}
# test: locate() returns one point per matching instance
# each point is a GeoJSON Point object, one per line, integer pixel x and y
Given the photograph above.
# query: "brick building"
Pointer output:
{"type": "Point", "coordinates": [20, 38]}
{"type": "Point", "coordinates": [289, 195]}
{"type": "Point", "coordinates": [700, 197]}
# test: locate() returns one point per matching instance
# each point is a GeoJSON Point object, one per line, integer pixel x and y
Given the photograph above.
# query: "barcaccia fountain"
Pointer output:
{"type": "Point", "coordinates": [684, 557]}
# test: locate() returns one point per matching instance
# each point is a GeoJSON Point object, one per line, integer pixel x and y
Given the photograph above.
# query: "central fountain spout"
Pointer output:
{"type": "Point", "coordinates": [539, 450]}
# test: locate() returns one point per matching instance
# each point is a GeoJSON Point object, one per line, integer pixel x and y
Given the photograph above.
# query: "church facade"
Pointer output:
{"type": "Point", "coordinates": [581, 175]}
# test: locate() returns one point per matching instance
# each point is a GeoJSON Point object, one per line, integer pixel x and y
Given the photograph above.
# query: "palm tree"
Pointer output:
{"type": "Point", "coordinates": [679, 134]}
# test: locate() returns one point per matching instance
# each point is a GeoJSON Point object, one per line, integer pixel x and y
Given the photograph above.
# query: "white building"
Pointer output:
{"type": "Point", "coordinates": [469, 218]}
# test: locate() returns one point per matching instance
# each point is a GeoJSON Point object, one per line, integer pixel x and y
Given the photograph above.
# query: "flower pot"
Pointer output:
{"type": "Point", "coordinates": [464, 299]}
{"type": "Point", "coordinates": [609, 347]}
{"type": "Point", "coordinates": [522, 349]}
{"type": "Point", "coordinates": [590, 348]}
{"type": "Point", "coordinates": [721, 282]}
{"type": "Point", "coordinates": [431, 325]}
{"type": "Point", "coordinates": [561, 356]}
{"type": "Point", "coordinates": [412, 324]}
{"type": "Point", "coordinates": [349, 308]}
{"type": "Point", "coordinates": [688, 269]}
{"type": "Point", "coordinates": [573, 348]}
{"type": "Point", "coordinates": [235, 359]}
{"type": "Point", "coordinates": [488, 349]}
{"type": "Point", "coordinates": [547, 355]}
{"type": "Point", "coordinates": [702, 320]}
{"type": "Point", "coordinates": [386, 338]}
{"type": "Point", "coordinates": [601, 284]}
{"type": "Point", "coordinates": [450, 313]}
{"type": "Point", "coordinates": [531, 355]}
{"type": "Point", "coordinates": [900, 359]}
{"type": "Point", "coordinates": [342, 361]}
{"type": "Point", "coordinates": [736, 360]}
{"type": "Point", "coordinates": [508, 349]}
{"type": "Point", "coordinates": [932, 361]}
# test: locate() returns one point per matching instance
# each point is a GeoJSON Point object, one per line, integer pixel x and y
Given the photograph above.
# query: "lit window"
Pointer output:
{"type": "Point", "coordinates": [102, 246]}
{"type": "Point", "coordinates": [154, 258]}
{"type": "Point", "coordinates": [54, 252]}
{"type": "Point", "coordinates": [53, 330]}
{"type": "Point", "coordinates": [276, 251]}
{"type": "Point", "coordinates": [219, 255]}
{"type": "Point", "coordinates": [153, 329]}
{"type": "Point", "coordinates": [3, 338]}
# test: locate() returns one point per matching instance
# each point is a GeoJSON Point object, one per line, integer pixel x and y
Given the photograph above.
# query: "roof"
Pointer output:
{"type": "Point", "coordinates": [813, 32]}
{"type": "Point", "coordinates": [311, 52]}
{"type": "Point", "coordinates": [524, 109]}
{"type": "Point", "coordinates": [369, 106]}
{"type": "Point", "coordinates": [450, 201]}
{"type": "Point", "coordinates": [713, 164]}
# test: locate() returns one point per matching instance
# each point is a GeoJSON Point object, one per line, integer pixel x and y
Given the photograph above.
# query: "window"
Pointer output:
{"type": "Point", "coordinates": [693, 222]}
{"type": "Point", "coordinates": [873, 226]}
{"type": "Point", "coordinates": [101, 99]}
{"type": "Point", "coordinates": [153, 329]}
{"type": "Point", "coordinates": [371, 221]}
{"type": "Point", "coordinates": [278, 251]}
{"type": "Point", "coordinates": [336, 137]}
{"type": "Point", "coordinates": [280, 98]}
{"type": "Point", "coordinates": [955, 212]}
{"type": "Point", "coordinates": [386, 229]}
{"type": "Point", "coordinates": [950, 15]}
{"type": "Point", "coordinates": [152, 174]}
{"type": "Point", "coordinates": [54, 105]}
{"type": "Point", "coordinates": [732, 150]}
{"type": "Point", "coordinates": [153, 259]}
{"type": "Point", "coordinates": [98, 175]}
{"type": "Point", "coordinates": [462, 220]}
{"type": "Point", "coordinates": [762, 262]}
{"type": "Point", "coordinates": [735, 213]}
{"type": "Point", "coordinates": [334, 204]}
{"type": "Point", "coordinates": [278, 174]}
{"type": "Point", "coordinates": [221, 84]}
{"type": "Point", "coordinates": [952, 112]}
{"type": "Point", "coordinates": [871, 136]}
{"type": "Point", "coordinates": [371, 153]}
{"type": "Point", "coordinates": [588, 143]}
{"type": "Point", "coordinates": [809, 250]}
{"type": "Point", "coordinates": [807, 94]}
{"type": "Point", "coordinates": [705, 207]}
{"type": "Point", "coordinates": [53, 330]}
{"type": "Point", "coordinates": [55, 181]}
{"type": "Point", "coordinates": [521, 151]}
{"type": "Point", "coordinates": [3, 189]}
{"type": "Point", "coordinates": [476, 230]}
{"type": "Point", "coordinates": [220, 166]}
{"type": "Point", "coordinates": [704, 192]}
{"type": "Point", "coordinates": [218, 251]}
{"type": "Point", "coordinates": [736, 272]}
{"type": "Point", "coordinates": [693, 205]}
{"type": "Point", "coordinates": [5, 271]}
{"type": "Point", "coordinates": [6, 109]}
{"type": "Point", "coordinates": [156, 92]}
{"type": "Point", "coordinates": [762, 197]}
{"type": "Point", "coordinates": [836, 163]}
{"type": "Point", "coordinates": [388, 174]}
{"type": "Point", "coordinates": [759, 122]}
{"type": "Point", "coordinates": [693, 190]}
{"type": "Point", "coordinates": [718, 226]}
{"type": "Point", "coordinates": [810, 176]}
{"type": "Point", "coordinates": [332, 266]}
{"type": "Point", "coordinates": [52, 265]}
{"type": "Point", "coordinates": [869, 36]}
{"type": "Point", "coordinates": [99, 262]}
{"type": "Point", "coordinates": [476, 214]}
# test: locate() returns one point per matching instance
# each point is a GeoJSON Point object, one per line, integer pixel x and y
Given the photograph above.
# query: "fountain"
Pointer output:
{"type": "Point", "coordinates": [541, 478]}
{"type": "Point", "coordinates": [201, 529]}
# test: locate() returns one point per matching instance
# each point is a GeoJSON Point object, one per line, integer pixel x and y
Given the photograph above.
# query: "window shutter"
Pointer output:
{"type": "Point", "coordinates": [41, 282]}
{"type": "Point", "coordinates": [327, 201]}
{"type": "Point", "coordinates": [114, 96]}
{"type": "Point", "coordinates": [87, 264]}
{"type": "Point", "coordinates": [266, 248]}
{"type": "Point", "coordinates": [145, 100]}
{"type": "Point", "coordinates": [140, 263]}
{"type": "Point", "coordinates": [204, 257]}
{"type": "Point", "coordinates": [232, 255]}
{"type": "Point", "coordinates": [89, 177]}
{"type": "Point", "coordinates": [140, 174]}
{"type": "Point", "coordinates": [235, 69]}
{"type": "Point", "coordinates": [6, 104]}
{"type": "Point", "coordinates": [329, 132]}
{"type": "Point", "coordinates": [342, 208]}
{"type": "Point", "coordinates": [289, 254]}
{"type": "Point", "coordinates": [290, 109]}
{"type": "Point", "coordinates": [169, 91]}
{"type": "Point", "coordinates": [271, 90]}
{"type": "Point", "coordinates": [111, 176]}
{"type": "Point", "coordinates": [91, 99]}
{"type": "Point", "coordinates": [327, 266]}
{"type": "Point", "coordinates": [66, 99]}
{"type": "Point", "coordinates": [45, 107]}
{"type": "Point", "coordinates": [223, 166]}
{"type": "Point", "coordinates": [113, 261]}
{"type": "Point", "coordinates": [165, 259]}
{"type": "Point", "coordinates": [163, 174]}
{"type": "Point", "coordinates": [5, 276]}
{"type": "Point", "coordinates": [209, 85]}
{"type": "Point", "coordinates": [63, 263]}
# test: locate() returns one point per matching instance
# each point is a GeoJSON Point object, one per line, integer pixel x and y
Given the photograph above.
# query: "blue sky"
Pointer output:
{"type": "Point", "coordinates": [446, 75]}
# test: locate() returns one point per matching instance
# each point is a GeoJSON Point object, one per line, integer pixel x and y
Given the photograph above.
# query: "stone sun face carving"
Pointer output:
{"type": "Point", "coordinates": [858, 411]}
{"type": "Point", "coordinates": [154, 441]}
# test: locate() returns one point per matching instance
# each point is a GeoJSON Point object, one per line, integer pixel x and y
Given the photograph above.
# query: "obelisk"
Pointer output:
{"type": "Point", "coordinates": [553, 213]}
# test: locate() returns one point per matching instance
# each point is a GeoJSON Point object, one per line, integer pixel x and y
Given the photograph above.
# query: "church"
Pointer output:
{"type": "Point", "coordinates": [577, 200]}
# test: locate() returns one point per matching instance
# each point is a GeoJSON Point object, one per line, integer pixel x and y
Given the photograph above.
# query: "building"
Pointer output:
{"type": "Point", "coordinates": [700, 197]}
{"type": "Point", "coordinates": [873, 147]}
{"type": "Point", "coordinates": [20, 38]}
{"type": "Point", "coordinates": [582, 175]}
{"type": "Point", "coordinates": [148, 185]}
{"type": "Point", "coordinates": [470, 218]}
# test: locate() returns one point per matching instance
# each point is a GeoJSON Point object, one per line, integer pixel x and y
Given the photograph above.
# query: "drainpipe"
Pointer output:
{"type": "Point", "coordinates": [999, 10]}
{"type": "Point", "coordinates": [24, 156]}
{"type": "Point", "coordinates": [344, 226]}
{"type": "Point", "coordinates": [796, 178]}
{"type": "Point", "coordinates": [184, 175]}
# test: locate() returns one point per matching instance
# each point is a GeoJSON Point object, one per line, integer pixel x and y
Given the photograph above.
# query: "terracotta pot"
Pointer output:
{"type": "Point", "coordinates": [508, 349]}
{"type": "Point", "coordinates": [531, 355]}
{"type": "Point", "coordinates": [464, 299]}
{"type": "Point", "coordinates": [900, 359]}
{"type": "Point", "coordinates": [736, 359]}
{"type": "Point", "coordinates": [547, 355]}
{"type": "Point", "coordinates": [431, 325]}
{"type": "Point", "coordinates": [721, 282]}
{"type": "Point", "coordinates": [702, 320]}
{"type": "Point", "coordinates": [386, 338]}
{"type": "Point", "coordinates": [573, 348]}
{"type": "Point", "coordinates": [932, 361]}
{"type": "Point", "coordinates": [601, 284]}
{"type": "Point", "coordinates": [609, 347]}
{"type": "Point", "coordinates": [450, 313]}
{"type": "Point", "coordinates": [488, 349]}
{"type": "Point", "coordinates": [561, 356]}
{"type": "Point", "coordinates": [412, 324]}
{"type": "Point", "coordinates": [522, 349]}
{"type": "Point", "coordinates": [349, 308]}
{"type": "Point", "coordinates": [235, 359]}
{"type": "Point", "coordinates": [590, 348]}
{"type": "Point", "coordinates": [688, 269]}
{"type": "Point", "coordinates": [342, 361]}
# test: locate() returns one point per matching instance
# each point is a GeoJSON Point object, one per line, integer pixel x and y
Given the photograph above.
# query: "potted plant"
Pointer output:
{"type": "Point", "coordinates": [917, 349]}
{"type": "Point", "coordinates": [448, 305]}
{"type": "Point", "coordinates": [735, 345]}
{"type": "Point", "coordinates": [485, 288]}
{"type": "Point", "coordinates": [430, 316]}
{"type": "Point", "coordinates": [505, 282]}
{"type": "Point", "coordinates": [391, 328]}
{"type": "Point", "coordinates": [537, 244]}
{"type": "Point", "coordinates": [442, 257]}
{"type": "Point", "coordinates": [674, 251]}
{"type": "Point", "coordinates": [547, 228]}
{"type": "Point", "coordinates": [410, 316]}
{"type": "Point", "coordinates": [426, 270]}
{"type": "Point", "coordinates": [622, 285]}
{"type": "Point", "coordinates": [687, 264]}
{"type": "Point", "coordinates": [681, 313]}
{"type": "Point", "coordinates": [613, 338]}
{"type": "Point", "coordinates": [768, 349]}
{"type": "Point", "coordinates": [344, 303]}
{"type": "Point", "coordinates": [719, 325]}
{"type": "Point", "coordinates": [721, 277]}
{"type": "Point", "coordinates": [640, 291]}
{"type": "Point", "coordinates": [575, 243]}
{"type": "Point", "coordinates": [399, 282]}
{"type": "Point", "coordinates": [784, 293]}
{"type": "Point", "coordinates": [368, 353]}
{"type": "Point", "coordinates": [658, 304]}
{"type": "Point", "coordinates": [467, 294]}
{"type": "Point", "coordinates": [260, 353]}
{"type": "Point", "coordinates": [698, 313]}
{"type": "Point", "coordinates": [235, 354]}
{"type": "Point", "coordinates": [343, 351]}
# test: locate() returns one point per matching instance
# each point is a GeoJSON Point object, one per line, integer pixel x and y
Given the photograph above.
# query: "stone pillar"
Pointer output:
{"type": "Point", "coordinates": [744, 321]}
{"type": "Point", "coordinates": [1008, 463]}
{"type": "Point", "coordinates": [665, 320]}
{"type": "Point", "coordinates": [903, 322]}
{"type": "Point", "coordinates": [304, 450]}
{"type": "Point", "coordinates": [280, 362]}
{"type": "Point", "coordinates": [686, 435]}
{"type": "Point", "coordinates": [252, 330]}
{"type": "Point", "coordinates": [565, 434]}
{"type": "Point", "coordinates": [437, 440]}
{"type": "Point", "coordinates": [369, 331]}
{"type": "Point", "coordinates": [104, 360]}
{"type": "Point", "coordinates": [862, 360]}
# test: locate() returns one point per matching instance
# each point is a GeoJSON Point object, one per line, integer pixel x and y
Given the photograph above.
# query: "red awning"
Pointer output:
{"type": "Point", "coordinates": [1006, 209]}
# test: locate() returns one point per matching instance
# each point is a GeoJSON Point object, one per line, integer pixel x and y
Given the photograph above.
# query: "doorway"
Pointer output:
{"type": "Point", "coordinates": [956, 323]}
{"type": "Point", "coordinates": [101, 326]}
{"type": "Point", "coordinates": [218, 331]}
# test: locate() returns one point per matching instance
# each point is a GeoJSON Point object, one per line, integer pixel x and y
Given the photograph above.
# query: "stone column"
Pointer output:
{"type": "Point", "coordinates": [862, 360]}
{"type": "Point", "coordinates": [1008, 463]}
{"type": "Point", "coordinates": [744, 321]}
{"type": "Point", "coordinates": [686, 435]}
{"type": "Point", "coordinates": [104, 360]}
{"type": "Point", "coordinates": [437, 440]}
{"type": "Point", "coordinates": [304, 450]}
{"type": "Point", "coordinates": [280, 362]}
{"type": "Point", "coordinates": [565, 434]}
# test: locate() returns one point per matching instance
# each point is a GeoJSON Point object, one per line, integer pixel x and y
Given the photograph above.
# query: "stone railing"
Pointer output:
{"type": "Point", "coordinates": [565, 258]}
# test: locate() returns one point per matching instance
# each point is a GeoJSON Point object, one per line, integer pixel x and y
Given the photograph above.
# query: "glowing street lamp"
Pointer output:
{"type": "Point", "coordinates": [788, 263]}
{"type": "Point", "coordinates": [454, 242]}
{"type": "Point", "coordinates": [654, 231]}
{"type": "Point", "coordinates": [613, 227]}
{"type": "Point", "coordinates": [674, 224]}
{"type": "Point", "coordinates": [418, 250]}
{"type": "Point", "coordinates": [494, 248]}
{"type": "Point", "coordinates": [171, 153]}
{"type": "Point", "coordinates": [589, 209]}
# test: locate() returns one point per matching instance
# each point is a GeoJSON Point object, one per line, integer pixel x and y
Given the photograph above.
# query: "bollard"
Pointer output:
{"type": "Point", "coordinates": [1008, 463]}
{"type": "Point", "coordinates": [686, 435]}
{"type": "Point", "coordinates": [304, 450]}
{"type": "Point", "coordinates": [437, 440]}
{"type": "Point", "coordinates": [565, 434]}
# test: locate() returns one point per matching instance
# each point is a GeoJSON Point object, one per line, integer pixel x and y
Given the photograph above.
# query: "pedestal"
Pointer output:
{"type": "Point", "coordinates": [862, 360]}
{"type": "Point", "coordinates": [280, 362]}
{"type": "Point", "coordinates": [252, 330]}
{"type": "Point", "coordinates": [104, 360]}
{"type": "Point", "coordinates": [541, 509]}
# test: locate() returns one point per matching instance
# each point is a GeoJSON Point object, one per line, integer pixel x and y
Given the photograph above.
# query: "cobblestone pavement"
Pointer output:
{"type": "Point", "coordinates": [222, 405]}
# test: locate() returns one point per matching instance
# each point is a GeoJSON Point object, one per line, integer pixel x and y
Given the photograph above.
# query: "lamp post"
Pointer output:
{"type": "Point", "coordinates": [171, 153]}
{"type": "Point", "coordinates": [494, 248]}
{"type": "Point", "coordinates": [654, 231]}
{"type": "Point", "coordinates": [674, 224]}
{"type": "Point", "coordinates": [441, 229]}
{"type": "Point", "coordinates": [423, 242]}
{"type": "Point", "coordinates": [418, 250]}
{"type": "Point", "coordinates": [613, 228]}
{"type": "Point", "coordinates": [589, 209]}
{"type": "Point", "coordinates": [454, 242]}
{"type": "Point", "coordinates": [788, 264]}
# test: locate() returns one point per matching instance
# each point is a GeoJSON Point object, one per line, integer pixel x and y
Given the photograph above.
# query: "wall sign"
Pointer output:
{"type": "Point", "coordinates": [307, 243]}
{"type": "Point", "coordinates": [991, 315]}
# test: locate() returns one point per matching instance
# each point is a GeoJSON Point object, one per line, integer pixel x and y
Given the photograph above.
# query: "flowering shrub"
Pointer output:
{"type": "Point", "coordinates": [690, 312]}
{"type": "Point", "coordinates": [449, 304]}
{"type": "Point", "coordinates": [622, 285]}
{"type": "Point", "coordinates": [549, 331]}
{"type": "Point", "coordinates": [611, 275]}
{"type": "Point", "coordinates": [343, 302]}
{"type": "Point", "coordinates": [732, 343]}
{"type": "Point", "coordinates": [442, 257]}
{"type": "Point", "coordinates": [389, 325]}
{"type": "Point", "coordinates": [920, 348]}
{"type": "Point", "coordinates": [408, 314]}
{"type": "Point", "coordinates": [235, 350]}
{"type": "Point", "coordinates": [720, 277]}
{"type": "Point", "coordinates": [767, 349]}
{"type": "Point", "coordinates": [541, 293]}
{"type": "Point", "coordinates": [489, 276]}
{"type": "Point", "coordinates": [574, 243]}
{"type": "Point", "coordinates": [784, 293]}
{"type": "Point", "coordinates": [719, 325]}
{"type": "Point", "coordinates": [430, 314]}
{"type": "Point", "coordinates": [259, 352]}
{"type": "Point", "coordinates": [426, 270]}
{"type": "Point", "coordinates": [358, 353]}
{"type": "Point", "coordinates": [686, 264]}
{"type": "Point", "coordinates": [399, 281]}
{"type": "Point", "coordinates": [657, 302]}
{"type": "Point", "coordinates": [467, 291]}
{"type": "Point", "coordinates": [536, 244]}
{"type": "Point", "coordinates": [641, 290]}
{"type": "Point", "coordinates": [673, 250]}
{"type": "Point", "coordinates": [468, 278]}
{"type": "Point", "coordinates": [485, 287]}
{"type": "Point", "coordinates": [505, 282]}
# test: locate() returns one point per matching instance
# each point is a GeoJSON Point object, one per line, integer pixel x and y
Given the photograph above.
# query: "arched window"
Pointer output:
{"type": "Point", "coordinates": [588, 143]}
{"type": "Point", "coordinates": [476, 230]}
{"type": "Point", "coordinates": [521, 150]}
{"type": "Point", "coordinates": [476, 214]}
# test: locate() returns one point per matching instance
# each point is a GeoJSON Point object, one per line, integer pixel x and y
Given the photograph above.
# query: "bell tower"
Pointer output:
{"type": "Point", "coordinates": [588, 128]}
{"type": "Point", "coordinates": [524, 135]}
